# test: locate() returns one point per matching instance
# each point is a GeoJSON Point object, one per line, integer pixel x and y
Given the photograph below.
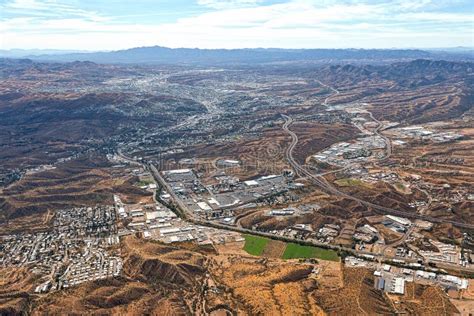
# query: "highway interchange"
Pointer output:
{"type": "Point", "coordinates": [322, 183]}
{"type": "Point", "coordinates": [316, 179]}
{"type": "Point", "coordinates": [189, 216]}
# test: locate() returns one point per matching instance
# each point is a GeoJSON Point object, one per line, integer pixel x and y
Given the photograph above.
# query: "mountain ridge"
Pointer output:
{"type": "Point", "coordinates": [164, 55]}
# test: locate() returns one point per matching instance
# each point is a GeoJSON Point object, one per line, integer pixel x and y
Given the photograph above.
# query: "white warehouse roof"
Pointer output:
{"type": "Point", "coordinates": [204, 206]}
{"type": "Point", "coordinates": [251, 183]}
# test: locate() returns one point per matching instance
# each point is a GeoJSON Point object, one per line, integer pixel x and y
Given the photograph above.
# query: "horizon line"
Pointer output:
{"type": "Point", "coordinates": [239, 48]}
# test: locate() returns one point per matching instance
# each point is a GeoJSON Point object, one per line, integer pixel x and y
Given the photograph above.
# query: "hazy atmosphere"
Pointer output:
{"type": "Point", "coordinates": [240, 157]}
{"type": "Point", "coordinates": [111, 24]}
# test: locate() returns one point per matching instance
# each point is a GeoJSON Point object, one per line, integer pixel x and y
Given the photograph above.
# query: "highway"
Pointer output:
{"type": "Point", "coordinates": [388, 143]}
{"type": "Point", "coordinates": [336, 92]}
{"type": "Point", "coordinates": [160, 181]}
{"type": "Point", "coordinates": [319, 181]}
{"type": "Point", "coordinates": [190, 217]}
{"type": "Point", "coordinates": [379, 124]}
{"type": "Point", "coordinates": [322, 183]}
{"type": "Point", "coordinates": [399, 242]}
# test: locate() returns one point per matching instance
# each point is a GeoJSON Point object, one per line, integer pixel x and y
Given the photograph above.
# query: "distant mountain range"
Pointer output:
{"type": "Point", "coordinates": [21, 53]}
{"type": "Point", "coordinates": [163, 55]}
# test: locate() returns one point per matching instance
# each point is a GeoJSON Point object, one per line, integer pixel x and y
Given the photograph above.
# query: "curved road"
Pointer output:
{"type": "Point", "coordinates": [188, 216]}
{"type": "Point", "coordinates": [336, 92]}
{"type": "Point", "coordinates": [322, 183]}
{"type": "Point", "coordinates": [385, 138]}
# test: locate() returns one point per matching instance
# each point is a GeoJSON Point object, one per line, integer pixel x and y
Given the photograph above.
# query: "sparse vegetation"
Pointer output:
{"type": "Point", "coordinates": [144, 182]}
{"type": "Point", "coordinates": [349, 182]}
{"type": "Point", "coordinates": [74, 135]}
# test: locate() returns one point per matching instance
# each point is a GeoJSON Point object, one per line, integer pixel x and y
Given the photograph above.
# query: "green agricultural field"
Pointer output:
{"type": "Point", "coordinates": [254, 245]}
{"type": "Point", "coordinates": [295, 251]}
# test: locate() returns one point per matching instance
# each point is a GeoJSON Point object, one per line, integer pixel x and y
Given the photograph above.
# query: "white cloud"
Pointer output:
{"type": "Point", "coordinates": [48, 9]}
{"type": "Point", "coordinates": [441, 17]}
{"type": "Point", "coordinates": [411, 4]}
{"type": "Point", "coordinates": [227, 4]}
{"type": "Point", "coordinates": [244, 23]}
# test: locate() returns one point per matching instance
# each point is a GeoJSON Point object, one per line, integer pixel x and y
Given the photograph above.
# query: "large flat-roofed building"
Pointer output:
{"type": "Point", "coordinates": [179, 175]}
{"type": "Point", "coordinates": [204, 206]}
{"type": "Point", "coordinates": [228, 163]}
{"type": "Point", "coordinates": [251, 183]}
{"type": "Point", "coordinates": [397, 286]}
{"type": "Point", "coordinates": [178, 171]}
{"type": "Point", "coordinates": [399, 220]}
{"type": "Point", "coordinates": [381, 284]}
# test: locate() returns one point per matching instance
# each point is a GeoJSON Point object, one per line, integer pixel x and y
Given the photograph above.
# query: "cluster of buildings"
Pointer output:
{"type": "Point", "coordinates": [157, 222]}
{"type": "Point", "coordinates": [366, 233]}
{"type": "Point", "coordinates": [93, 264]}
{"type": "Point", "coordinates": [328, 232]}
{"type": "Point", "coordinates": [392, 279]}
{"type": "Point", "coordinates": [397, 224]}
{"type": "Point", "coordinates": [412, 244]}
{"type": "Point", "coordinates": [447, 253]}
{"type": "Point", "coordinates": [373, 177]}
{"type": "Point", "coordinates": [422, 133]}
{"type": "Point", "coordinates": [78, 248]}
{"type": "Point", "coordinates": [181, 231]}
{"type": "Point", "coordinates": [219, 200]}
{"type": "Point", "coordinates": [292, 210]}
{"type": "Point", "coordinates": [344, 153]}
{"type": "Point", "coordinates": [297, 231]}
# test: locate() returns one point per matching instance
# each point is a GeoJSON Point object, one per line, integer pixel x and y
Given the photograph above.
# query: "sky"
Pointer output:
{"type": "Point", "coordinates": [113, 24]}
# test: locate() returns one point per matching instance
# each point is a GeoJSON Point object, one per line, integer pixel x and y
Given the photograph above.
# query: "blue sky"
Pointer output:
{"type": "Point", "coordinates": [113, 24]}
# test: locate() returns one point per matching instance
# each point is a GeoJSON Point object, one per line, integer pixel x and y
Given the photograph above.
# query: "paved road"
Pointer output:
{"type": "Point", "coordinates": [323, 184]}
{"type": "Point", "coordinates": [388, 143]}
{"type": "Point", "coordinates": [159, 179]}
{"type": "Point", "coordinates": [398, 242]}
{"type": "Point", "coordinates": [188, 216]}
{"type": "Point", "coordinates": [336, 92]}
{"type": "Point", "coordinates": [194, 219]}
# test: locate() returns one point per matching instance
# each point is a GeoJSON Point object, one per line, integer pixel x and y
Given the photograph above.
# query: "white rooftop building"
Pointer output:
{"type": "Point", "coordinates": [399, 220]}
{"type": "Point", "coordinates": [178, 171]}
{"type": "Point", "coordinates": [251, 183]}
{"type": "Point", "coordinates": [398, 286]}
{"type": "Point", "coordinates": [204, 206]}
